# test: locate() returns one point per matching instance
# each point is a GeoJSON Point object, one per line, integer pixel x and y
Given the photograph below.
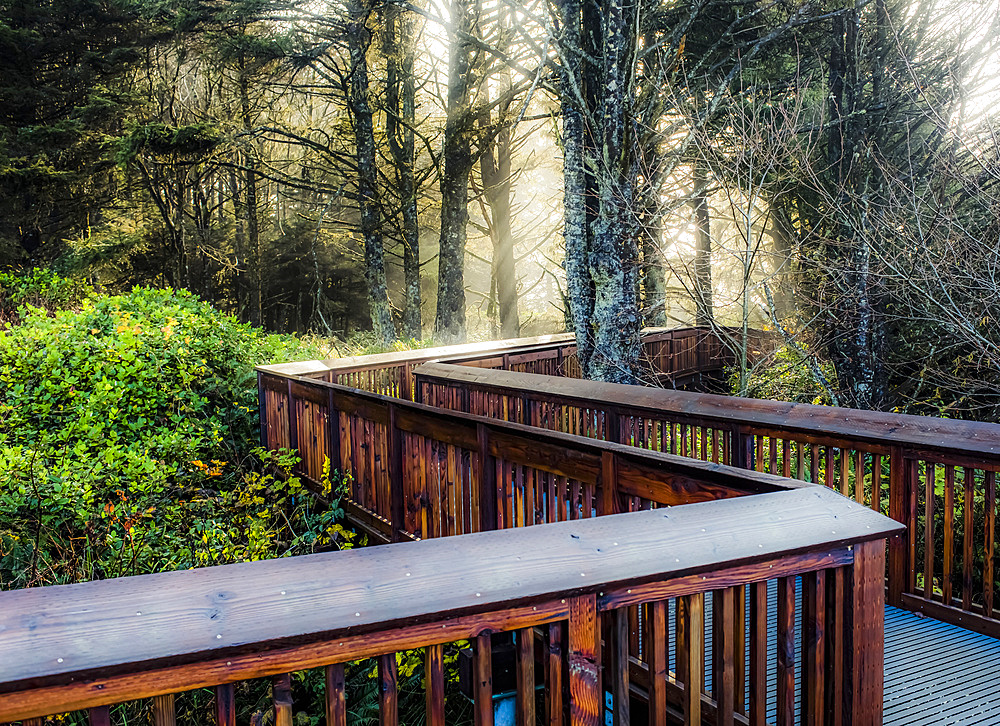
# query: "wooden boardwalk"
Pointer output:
{"type": "Point", "coordinates": [936, 674]}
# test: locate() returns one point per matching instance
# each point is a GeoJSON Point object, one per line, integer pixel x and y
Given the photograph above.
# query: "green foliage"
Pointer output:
{"type": "Point", "coordinates": [125, 424]}
{"type": "Point", "coordinates": [787, 376]}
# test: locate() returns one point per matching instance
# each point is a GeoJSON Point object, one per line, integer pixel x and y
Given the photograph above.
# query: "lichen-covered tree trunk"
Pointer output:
{"type": "Point", "coordinates": [614, 257]}
{"type": "Point", "coordinates": [579, 291]}
{"type": "Point", "coordinates": [600, 173]}
{"type": "Point", "coordinates": [359, 38]}
{"type": "Point", "coordinates": [703, 299]}
{"type": "Point", "coordinates": [449, 321]}
{"type": "Point", "coordinates": [400, 121]}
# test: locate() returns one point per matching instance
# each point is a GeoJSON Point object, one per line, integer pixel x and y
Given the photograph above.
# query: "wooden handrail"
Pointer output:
{"type": "Point", "coordinates": [927, 473]}
{"type": "Point", "coordinates": [400, 454]}
{"type": "Point", "coordinates": [87, 645]}
{"type": "Point", "coordinates": [925, 433]}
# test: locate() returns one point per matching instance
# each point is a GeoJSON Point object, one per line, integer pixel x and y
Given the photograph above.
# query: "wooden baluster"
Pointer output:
{"type": "Point", "coordinates": [928, 529]}
{"type": "Point", "coordinates": [100, 716]}
{"type": "Point", "coordinates": [163, 710]}
{"type": "Point", "coordinates": [968, 514]}
{"type": "Point", "coordinates": [864, 626]}
{"type": "Point", "coordinates": [845, 473]}
{"type": "Point", "coordinates": [786, 458]}
{"type": "Point", "coordinates": [554, 676]}
{"type": "Point", "coordinates": [786, 652]}
{"type": "Point", "coordinates": [800, 460]}
{"type": "Point", "coordinates": [758, 654]}
{"type": "Point", "coordinates": [281, 695]}
{"type": "Point", "coordinates": [657, 640]}
{"type": "Point", "coordinates": [584, 657]}
{"type": "Point", "coordinates": [482, 668]}
{"type": "Point", "coordinates": [434, 692]}
{"type": "Point", "coordinates": [690, 649]}
{"type": "Point", "coordinates": [336, 701]}
{"type": "Point", "coordinates": [813, 648]}
{"type": "Point", "coordinates": [225, 705]}
{"type": "Point", "coordinates": [723, 655]}
{"type": "Point", "coordinates": [833, 694]}
{"type": "Point", "coordinates": [814, 464]}
{"type": "Point", "coordinates": [619, 647]}
{"type": "Point", "coordinates": [526, 677]}
{"type": "Point", "coordinates": [859, 477]}
{"type": "Point", "coordinates": [989, 526]}
{"type": "Point", "coordinates": [949, 532]}
{"type": "Point", "coordinates": [388, 702]}
{"type": "Point", "coordinates": [740, 645]}
{"type": "Point", "coordinates": [876, 503]}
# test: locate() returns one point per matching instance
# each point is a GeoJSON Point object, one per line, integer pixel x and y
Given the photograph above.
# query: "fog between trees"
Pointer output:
{"type": "Point", "coordinates": [460, 170]}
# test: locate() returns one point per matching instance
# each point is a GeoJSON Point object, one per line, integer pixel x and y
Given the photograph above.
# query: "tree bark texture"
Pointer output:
{"type": "Point", "coordinates": [704, 307]}
{"type": "Point", "coordinates": [602, 258]}
{"type": "Point", "coordinates": [449, 321]}
{"type": "Point", "coordinates": [359, 38]}
{"type": "Point", "coordinates": [400, 122]}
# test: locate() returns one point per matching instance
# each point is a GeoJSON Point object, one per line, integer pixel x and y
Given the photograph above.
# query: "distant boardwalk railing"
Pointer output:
{"type": "Point", "coordinates": [936, 476]}
{"type": "Point", "coordinates": [580, 587]}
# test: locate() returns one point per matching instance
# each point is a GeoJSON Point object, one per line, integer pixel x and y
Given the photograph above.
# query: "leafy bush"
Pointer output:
{"type": "Point", "coordinates": [127, 425]}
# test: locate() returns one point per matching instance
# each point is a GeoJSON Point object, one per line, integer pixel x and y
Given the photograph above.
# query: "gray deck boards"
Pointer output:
{"type": "Point", "coordinates": [935, 674]}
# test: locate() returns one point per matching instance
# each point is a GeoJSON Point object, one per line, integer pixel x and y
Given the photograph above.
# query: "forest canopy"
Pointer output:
{"type": "Point", "coordinates": [496, 168]}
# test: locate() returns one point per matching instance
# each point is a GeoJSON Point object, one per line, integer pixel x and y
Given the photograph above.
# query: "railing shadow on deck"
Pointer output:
{"type": "Point", "coordinates": [572, 588]}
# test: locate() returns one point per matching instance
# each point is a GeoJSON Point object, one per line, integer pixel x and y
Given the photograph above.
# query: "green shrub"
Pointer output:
{"type": "Point", "coordinates": [127, 430]}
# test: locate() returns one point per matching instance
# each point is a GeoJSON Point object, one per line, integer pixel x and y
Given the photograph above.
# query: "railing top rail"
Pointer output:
{"type": "Point", "coordinates": [464, 350]}
{"type": "Point", "coordinates": [577, 453]}
{"type": "Point", "coordinates": [921, 432]}
{"type": "Point", "coordinates": [66, 633]}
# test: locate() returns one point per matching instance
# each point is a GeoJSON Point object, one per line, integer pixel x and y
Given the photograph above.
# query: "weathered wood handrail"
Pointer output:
{"type": "Point", "coordinates": [93, 644]}
{"type": "Point", "coordinates": [673, 356]}
{"type": "Point", "coordinates": [424, 471]}
{"type": "Point", "coordinates": [917, 469]}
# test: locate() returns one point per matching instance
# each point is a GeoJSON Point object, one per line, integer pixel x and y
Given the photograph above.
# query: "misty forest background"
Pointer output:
{"type": "Point", "coordinates": [471, 169]}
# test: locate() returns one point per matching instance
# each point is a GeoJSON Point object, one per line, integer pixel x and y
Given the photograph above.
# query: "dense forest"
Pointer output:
{"type": "Point", "coordinates": [471, 169]}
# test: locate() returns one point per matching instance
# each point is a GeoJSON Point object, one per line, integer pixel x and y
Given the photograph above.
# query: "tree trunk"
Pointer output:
{"type": "Point", "coordinates": [614, 258]}
{"type": "Point", "coordinates": [704, 308]}
{"type": "Point", "coordinates": [495, 169]}
{"type": "Point", "coordinates": [579, 291]}
{"type": "Point", "coordinates": [368, 204]}
{"type": "Point", "coordinates": [449, 322]}
{"type": "Point", "coordinates": [400, 120]}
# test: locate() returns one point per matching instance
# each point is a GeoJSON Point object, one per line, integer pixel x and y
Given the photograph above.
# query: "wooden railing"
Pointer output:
{"type": "Point", "coordinates": [936, 476]}
{"type": "Point", "coordinates": [420, 471]}
{"type": "Point", "coordinates": [669, 356]}
{"type": "Point", "coordinates": [568, 592]}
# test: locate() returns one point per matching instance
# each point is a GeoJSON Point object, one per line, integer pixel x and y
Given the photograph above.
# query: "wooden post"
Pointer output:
{"type": "Point", "coordinates": [262, 408]}
{"type": "Point", "coordinates": [333, 434]}
{"type": "Point", "coordinates": [899, 560]}
{"type": "Point", "coordinates": [397, 505]}
{"type": "Point", "coordinates": [293, 422]}
{"type": "Point", "coordinates": [864, 625]}
{"type": "Point", "coordinates": [487, 481]}
{"type": "Point", "coordinates": [584, 656]}
{"type": "Point", "coordinates": [609, 483]}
